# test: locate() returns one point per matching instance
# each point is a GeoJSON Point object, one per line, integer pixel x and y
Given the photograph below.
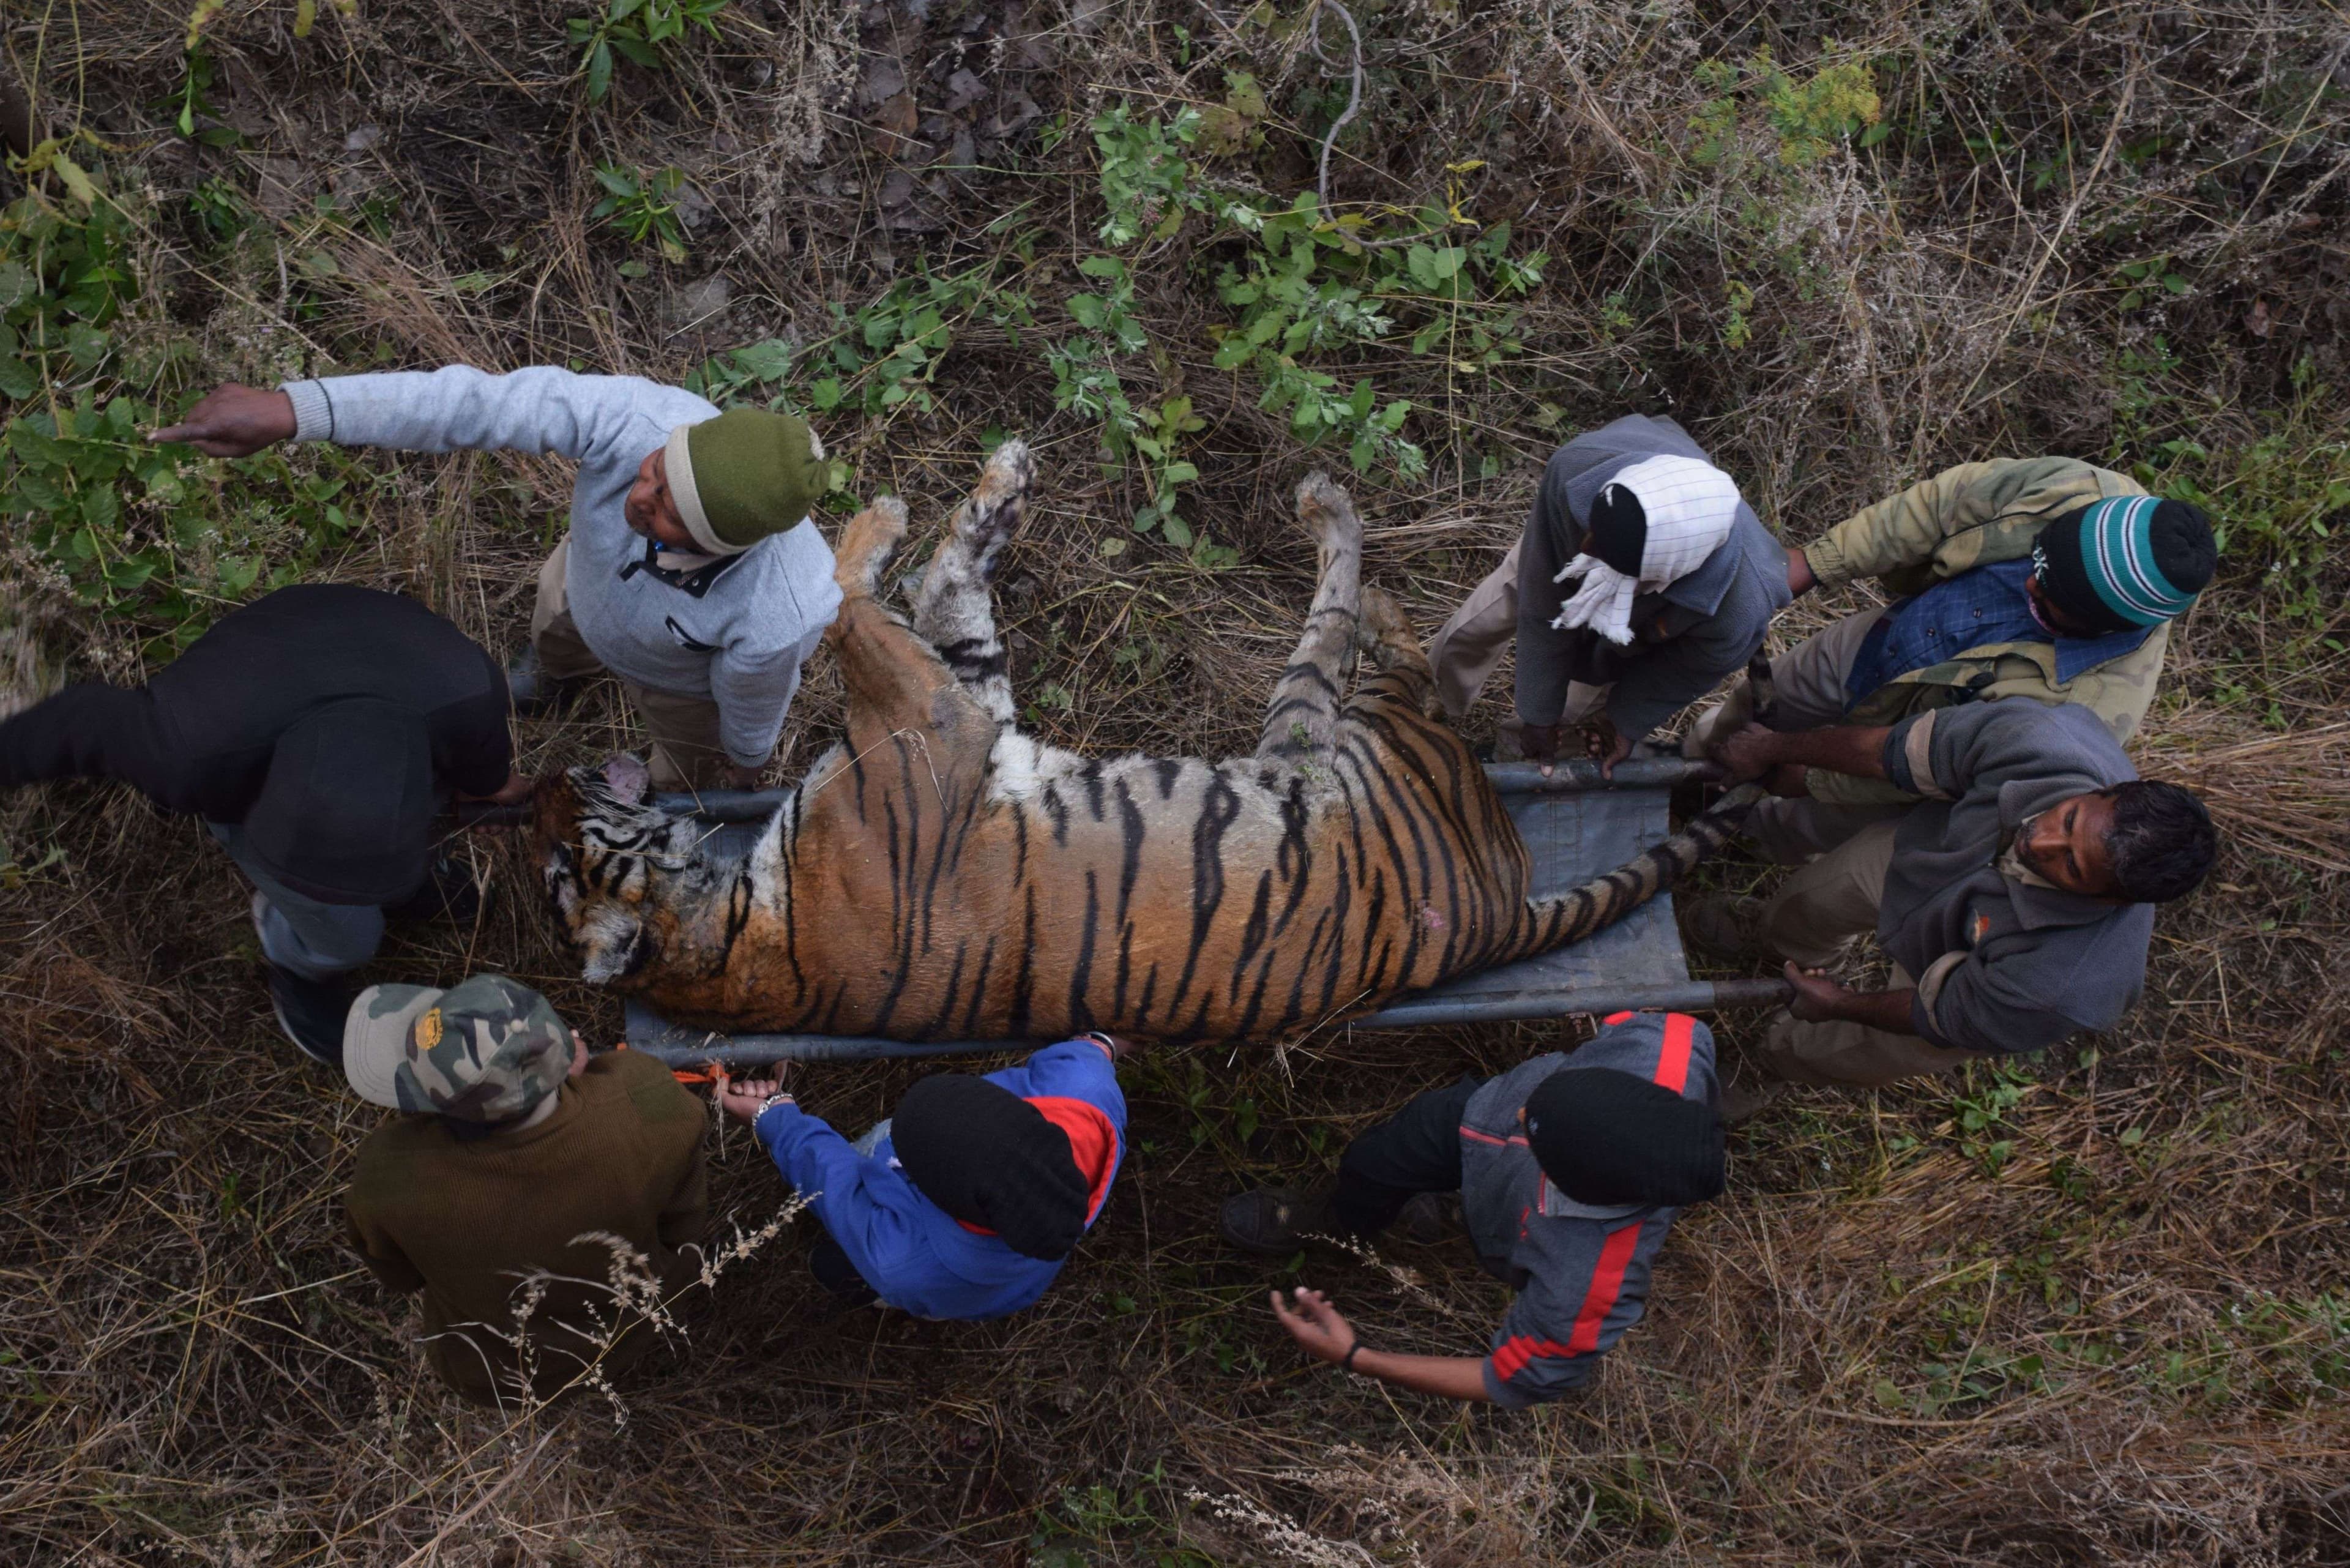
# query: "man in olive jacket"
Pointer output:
{"type": "Point", "coordinates": [2043, 578]}
{"type": "Point", "coordinates": [516, 1160]}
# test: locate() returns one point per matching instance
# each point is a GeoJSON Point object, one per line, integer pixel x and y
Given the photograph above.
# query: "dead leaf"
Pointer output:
{"type": "Point", "coordinates": [2256, 320]}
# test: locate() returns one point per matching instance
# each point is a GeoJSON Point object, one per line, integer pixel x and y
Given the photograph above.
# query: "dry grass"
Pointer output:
{"type": "Point", "coordinates": [2088, 1311]}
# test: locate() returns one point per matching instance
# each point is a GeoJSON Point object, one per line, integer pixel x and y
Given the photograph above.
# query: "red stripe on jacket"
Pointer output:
{"type": "Point", "coordinates": [1606, 1285]}
{"type": "Point", "coordinates": [1672, 1060]}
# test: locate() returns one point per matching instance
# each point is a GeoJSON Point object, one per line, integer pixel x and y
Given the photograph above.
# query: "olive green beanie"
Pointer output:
{"type": "Point", "coordinates": [744, 475]}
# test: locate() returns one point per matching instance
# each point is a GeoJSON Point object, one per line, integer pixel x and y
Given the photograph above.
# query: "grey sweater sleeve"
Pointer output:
{"type": "Point", "coordinates": [753, 693]}
{"type": "Point", "coordinates": [540, 410]}
{"type": "Point", "coordinates": [1945, 753]}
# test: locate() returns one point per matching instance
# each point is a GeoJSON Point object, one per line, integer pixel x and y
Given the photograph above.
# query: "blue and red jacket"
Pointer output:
{"type": "Point", "coordinates": [917, 1256]}
{"type": "Point", "coordinates": [1581, 1271]}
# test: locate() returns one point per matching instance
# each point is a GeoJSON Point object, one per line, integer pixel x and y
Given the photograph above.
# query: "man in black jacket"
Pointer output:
{"type": "Point", "coordinates": [318, 732]}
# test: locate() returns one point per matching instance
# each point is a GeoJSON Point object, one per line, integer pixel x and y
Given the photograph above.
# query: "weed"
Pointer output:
{"type": "Point", "coordinates": [642, 204]}
{"type": "Point", "coordinates": [635, 30]}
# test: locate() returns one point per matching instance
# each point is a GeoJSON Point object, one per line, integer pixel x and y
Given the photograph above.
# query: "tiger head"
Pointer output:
{"type": "Point", "coordinates": [618, 869]}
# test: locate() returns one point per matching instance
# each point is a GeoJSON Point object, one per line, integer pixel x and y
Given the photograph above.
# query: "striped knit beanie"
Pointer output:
{"type": "Point", "coordinates": [2128, 561]}
{"type": "Point", "coordinates": [1655, 522]}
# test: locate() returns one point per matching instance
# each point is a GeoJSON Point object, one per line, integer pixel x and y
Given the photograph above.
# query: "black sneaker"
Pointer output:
{"type": "Point", "coordinates": [1723, 927]}
{"type": "Point", "coordinates": [311, 1013]}
{"type": "Point", "coordinates": [1273, 1219]}
{"type": "Point", "coordinates": [533, 693]}
{"type": "Point", "coordinates": [449, 893]}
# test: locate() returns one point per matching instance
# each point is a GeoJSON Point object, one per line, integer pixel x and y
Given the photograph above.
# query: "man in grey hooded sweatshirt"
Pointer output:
{"type": "Point", "coordinates": [692, 570]}
{"type": "Point", "coordinates": [1643, 579]}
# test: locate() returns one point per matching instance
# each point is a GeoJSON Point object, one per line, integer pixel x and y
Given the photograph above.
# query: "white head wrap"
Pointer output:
{"type": "Point", "coordinates": [1690, 507]}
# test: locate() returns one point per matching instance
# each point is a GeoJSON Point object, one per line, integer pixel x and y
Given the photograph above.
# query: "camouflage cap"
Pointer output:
{"type": "Point", "coordinates": [486, 1050]}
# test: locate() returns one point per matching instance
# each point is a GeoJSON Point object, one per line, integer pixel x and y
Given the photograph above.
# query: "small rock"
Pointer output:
{"type": "Point", "coordinates": [963, 151]}
{"type": "Point", "coordinates": [693, 207]}
{"type": "Point", "coordinates": [280, 193]}
{"type": "Point", "coordinates": [363, 138]}
{"type": "Point", "coordinates": [692, 304]}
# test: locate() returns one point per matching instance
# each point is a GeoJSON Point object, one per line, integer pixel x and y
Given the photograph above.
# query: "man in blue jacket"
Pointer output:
{"type": "Point", "coordinates": [966, 1202]}
{"type": "Point", "coordinates": [1571, 1170]}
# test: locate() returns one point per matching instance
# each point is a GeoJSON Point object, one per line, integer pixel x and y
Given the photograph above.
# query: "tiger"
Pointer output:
{"type": "Point", "coordinates": [939, 875]}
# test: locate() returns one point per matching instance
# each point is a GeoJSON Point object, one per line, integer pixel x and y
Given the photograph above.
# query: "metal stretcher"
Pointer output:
{"type": "Point", "coordinates": [1576, 826]}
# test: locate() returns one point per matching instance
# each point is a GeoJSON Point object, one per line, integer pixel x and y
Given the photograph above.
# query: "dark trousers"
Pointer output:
{"type": "Point", "coordinates": [1416, 1150]}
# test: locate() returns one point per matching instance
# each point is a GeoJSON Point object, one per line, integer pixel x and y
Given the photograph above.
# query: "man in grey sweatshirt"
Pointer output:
{"type": "Point", "coordinates": [2016, 900]}
{"type": "Point", "coordinates": [691, 571]}
{"type": "Point", "coordinates": [1643, 578]}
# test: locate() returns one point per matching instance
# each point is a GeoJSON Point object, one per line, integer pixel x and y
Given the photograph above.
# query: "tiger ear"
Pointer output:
{"type": "Point", "coordinates": [615, 945]}
{"type": "Point", "coordinates": [628, 778]}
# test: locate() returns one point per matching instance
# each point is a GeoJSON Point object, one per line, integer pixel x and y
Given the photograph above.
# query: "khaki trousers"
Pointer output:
{"type": "Point", "coordinates": [1470, 646]}
{"type": "Point", "coordinates": [1809, 694]}
{"type": "Point", "coordinates": [1815, 911]}
{"type": "Point", "coordinates": [687, 753]}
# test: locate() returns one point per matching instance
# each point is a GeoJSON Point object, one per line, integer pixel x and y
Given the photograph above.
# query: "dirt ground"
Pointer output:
{"type": "Point", "coordinates": [2089, 1309]}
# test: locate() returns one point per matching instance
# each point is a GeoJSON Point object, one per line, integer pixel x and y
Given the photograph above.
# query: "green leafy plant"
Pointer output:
{"type": "Point", "coordinates": [753, 369]}
{"type": "Point", "coordinates": [1805, 119]}
{"type": "Point", "coordinates": [2149, 278]}
{"type": "Point", "coordinates": [114, 515]}
{"type": "Point", "coordinates": [1148, 183]}
{"type": "Point", "coordinates": [635, 30]}
{"type": "Point", "coordinates": [642, 204]}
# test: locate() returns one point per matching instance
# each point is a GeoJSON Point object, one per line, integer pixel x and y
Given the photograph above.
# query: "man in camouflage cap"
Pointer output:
{"type": "Point", "coordinates": [512, 1143]}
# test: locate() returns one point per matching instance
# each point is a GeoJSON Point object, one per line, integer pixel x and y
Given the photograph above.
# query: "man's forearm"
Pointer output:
{"type": "Point", "coordinates": [1891, 1011]}
{"type": "Point", "coordinates": [1450, 1376]}
{"type": "Point", "coordinates": [1851, 749]}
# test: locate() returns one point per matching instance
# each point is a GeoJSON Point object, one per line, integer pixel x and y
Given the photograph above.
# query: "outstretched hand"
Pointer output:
{"type": "Point", "coordinates": [1315, 1325]}
{"type": "Point", "coordinates": [233, 420]}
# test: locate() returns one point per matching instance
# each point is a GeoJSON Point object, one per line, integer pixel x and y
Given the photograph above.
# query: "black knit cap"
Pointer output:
{"type": "Point", "coordinates": [991, 1159]}
{"type": "Point", "coordinates": [2087, 563]}
{"type": "Point", "coordinates": [1619, 529]}
{"type": "Point", "coordinates": [1604, 1136]}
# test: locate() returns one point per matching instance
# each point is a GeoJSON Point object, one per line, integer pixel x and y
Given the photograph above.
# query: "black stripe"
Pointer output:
{"type": "Point", "coordinates": [1081, 976]}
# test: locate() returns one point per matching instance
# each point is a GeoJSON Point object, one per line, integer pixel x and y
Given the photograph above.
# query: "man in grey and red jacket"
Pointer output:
{"type": "Point", "coordinates": [1571, 1170]}
{"type": "Point", "coordinates": [692, 570]}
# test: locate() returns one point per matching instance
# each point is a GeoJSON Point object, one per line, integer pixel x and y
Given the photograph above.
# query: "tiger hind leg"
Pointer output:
{"type": "Point", "coordinates": [1302, 720]}
{"type": "Point", "coordinates": [866, 544]}
{"type": "Point", "coordinates": [1387, 636]}
{"type": "Point", "coordinates": [953, 609]}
